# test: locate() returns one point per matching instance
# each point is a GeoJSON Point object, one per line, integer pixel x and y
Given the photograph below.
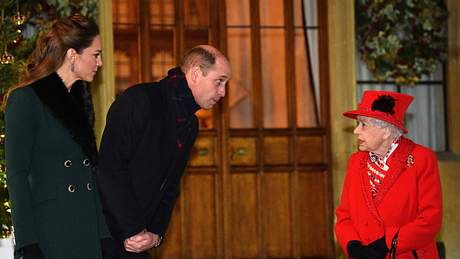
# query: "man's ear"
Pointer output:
{"type": "Point", "coordinates": [195, 73]}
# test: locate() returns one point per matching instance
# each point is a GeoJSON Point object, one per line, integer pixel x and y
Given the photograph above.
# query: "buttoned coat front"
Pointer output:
{"type": "Point", "coordinates": [50, 158]}
{"type": "Point", "coordinates": [408, 203]}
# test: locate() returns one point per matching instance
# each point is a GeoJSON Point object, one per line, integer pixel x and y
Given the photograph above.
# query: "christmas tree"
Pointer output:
{"type": "Point", "coordinates": [20, 26]}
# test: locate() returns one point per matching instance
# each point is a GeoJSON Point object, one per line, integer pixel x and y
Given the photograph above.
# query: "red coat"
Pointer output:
{"type": "Point", "coordinates": [409, 200]}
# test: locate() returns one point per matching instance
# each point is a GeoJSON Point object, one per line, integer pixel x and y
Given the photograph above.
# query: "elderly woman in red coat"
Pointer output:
{"type": "Point", "coordinates": [391, 205]}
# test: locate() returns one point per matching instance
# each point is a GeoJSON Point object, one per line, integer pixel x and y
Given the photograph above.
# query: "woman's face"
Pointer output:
{"type": "Point", "coordinates": [88, 61]}
{"type": "Point", "coordinates": [370, 137]}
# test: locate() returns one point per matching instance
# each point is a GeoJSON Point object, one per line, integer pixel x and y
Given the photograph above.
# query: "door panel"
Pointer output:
{"type": "Point", "coordinates": [276, 150]}
{"type": "Point", "coordinates": [310, 150]}
{"type": "Point", "coordinates": [203, 153]}
{"type": "Point", "coordinates": [173, 247]}
{"type": "Point", "coordinates": [200, 220]}
{"type": "Point", "coordinates": [312, 212]}
{"type": "Point", "coordinates": [258, 183]}
{"type": "Point", "coordinates": [277, 214]}
{"type": "Point", "coordinates": [244, 219]}
{"type": "Point", "coordinates": [243, 151]}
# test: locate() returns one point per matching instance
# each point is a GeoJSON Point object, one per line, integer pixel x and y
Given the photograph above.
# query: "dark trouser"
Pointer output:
{"type": "Point", "coordinates": [129, 255]}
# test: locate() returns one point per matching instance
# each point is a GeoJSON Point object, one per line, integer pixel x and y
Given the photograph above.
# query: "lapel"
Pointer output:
{"type": "Point", "coordinates": [398, 164]}
{"type": "Point", "coordinates": [73, 110]}
{"type": "Point", "coordinates": [365, 186]}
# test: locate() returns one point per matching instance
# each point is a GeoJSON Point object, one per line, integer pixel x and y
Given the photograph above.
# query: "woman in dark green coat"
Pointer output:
{"type": "Point", "coordinates": [50, 147]}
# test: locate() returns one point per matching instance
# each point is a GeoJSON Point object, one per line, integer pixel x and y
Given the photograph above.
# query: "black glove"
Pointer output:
{"type": "Point", "coordinates": [378, 248]}
{"type": "Point", "coordinates": [32, 251]}
{"type": "Point", "coordinates": [355, 249]}
{"type": "Point", "coordinates": [375, 250]}
{"type": "Point", "coordinates": [110, 248]}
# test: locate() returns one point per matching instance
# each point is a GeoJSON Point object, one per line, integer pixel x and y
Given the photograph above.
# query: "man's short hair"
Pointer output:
{"type": "Point", "coordinates": [198, 56]}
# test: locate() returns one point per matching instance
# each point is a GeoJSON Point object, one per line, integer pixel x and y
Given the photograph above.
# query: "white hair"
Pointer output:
{"type": "Point", "coordinates": [395, 132]}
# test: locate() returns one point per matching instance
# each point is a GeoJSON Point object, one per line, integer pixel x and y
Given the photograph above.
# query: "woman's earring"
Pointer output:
{"type": "Point", "coordinates": [72, 67]}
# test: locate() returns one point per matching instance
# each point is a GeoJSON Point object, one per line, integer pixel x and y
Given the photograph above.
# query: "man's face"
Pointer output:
{"type": "Point", "coordinates": [210, 88]}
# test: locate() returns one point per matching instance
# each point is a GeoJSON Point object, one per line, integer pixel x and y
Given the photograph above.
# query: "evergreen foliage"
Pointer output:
{"type": "Point", "coordinates": [401, 39]}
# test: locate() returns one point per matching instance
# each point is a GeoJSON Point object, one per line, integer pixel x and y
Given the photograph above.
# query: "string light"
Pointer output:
{"type": "Point", "coordinates": [18, 18]}
{"type": "Point", "coordinates": [5, 58]}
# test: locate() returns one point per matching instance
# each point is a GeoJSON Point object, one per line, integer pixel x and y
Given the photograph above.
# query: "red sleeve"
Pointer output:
{"type": "Point", "coordinates": [344, 229]}
{"type": "Point", "coordinates": [423, 229]}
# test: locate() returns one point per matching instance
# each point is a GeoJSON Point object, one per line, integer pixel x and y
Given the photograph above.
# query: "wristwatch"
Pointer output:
{"type": "Point", "coordinates": [159, 242]}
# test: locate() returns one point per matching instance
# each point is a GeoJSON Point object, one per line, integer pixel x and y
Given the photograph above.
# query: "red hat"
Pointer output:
{"type": "Point", "coordinates": [383, 105]}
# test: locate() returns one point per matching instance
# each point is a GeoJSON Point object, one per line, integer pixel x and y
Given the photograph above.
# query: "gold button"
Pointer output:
{"type": "Point", "coordinates": [89, 186]}
{"type": "Point", "coordinates": [71, 188]}
{"type": "Point", "coordinates": [86, 162]}
{"type": "Point", "coordinates": [67, 163]}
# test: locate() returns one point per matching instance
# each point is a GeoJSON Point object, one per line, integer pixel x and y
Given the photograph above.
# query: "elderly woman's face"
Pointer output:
{"type": "Point", "coordinates": [370, 137]}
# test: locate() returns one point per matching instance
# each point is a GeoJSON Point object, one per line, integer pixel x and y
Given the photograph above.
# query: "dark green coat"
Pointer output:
{"type": "Point", "coordinates": [50, 158]}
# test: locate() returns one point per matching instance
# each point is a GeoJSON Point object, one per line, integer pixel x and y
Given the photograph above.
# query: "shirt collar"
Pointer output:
{"type": "Point", "coordinates": [382, 162]}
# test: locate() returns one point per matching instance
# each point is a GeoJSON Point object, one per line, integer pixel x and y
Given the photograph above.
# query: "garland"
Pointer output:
{"type": "Point", "coordinates": [401, 39]}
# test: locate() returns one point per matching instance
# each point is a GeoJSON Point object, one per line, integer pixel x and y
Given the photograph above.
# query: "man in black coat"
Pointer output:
{"type": "Point", "coordinates": [145, 147]}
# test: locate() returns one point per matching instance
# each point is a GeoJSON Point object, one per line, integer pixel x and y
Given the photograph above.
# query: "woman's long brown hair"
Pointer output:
{"type": "Point", "coordinates": [75, 31]}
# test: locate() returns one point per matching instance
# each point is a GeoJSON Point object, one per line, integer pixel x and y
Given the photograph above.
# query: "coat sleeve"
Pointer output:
{"type": "Point", "coordinates": [423, 229]}
{"type": "Point", "coordinates": [121, 133]}
{"type": "Point", "coordinates": [160, 221]}
{"type": "Point", "coordinates": [20, 128]}
{"type": "Point", "coordinates": [344, 229]}
{"type": "Point", "coordinates": [103, 229]}
{"type": "Point", "coordinates": [161, 218]}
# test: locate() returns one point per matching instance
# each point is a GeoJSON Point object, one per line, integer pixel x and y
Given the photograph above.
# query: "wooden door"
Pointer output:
{"type": "Point", "coordinates": [258, 183]}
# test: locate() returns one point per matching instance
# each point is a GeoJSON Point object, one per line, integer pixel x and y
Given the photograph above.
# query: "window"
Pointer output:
{"type": "Point", "coordinates": [426, 116]}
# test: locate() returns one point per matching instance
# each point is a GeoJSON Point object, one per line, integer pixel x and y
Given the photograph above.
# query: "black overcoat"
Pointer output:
{"type": "Point", "coordinates": [140, 164]}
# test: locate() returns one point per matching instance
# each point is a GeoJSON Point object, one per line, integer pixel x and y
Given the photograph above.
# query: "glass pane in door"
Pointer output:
{"type": "Point", "coordinates": [126, 61]}
{"type": "Point", "coordinates": [307, 115]}
{"type": "Point", "coordinates": [196, 36]}
{"type": "Point", "coordinates": [162, 51]}
{"type": "Point", "coordinates": [196, 12]}
{"type": "Point", "coordinates": [125, 27]}
{"type": "Point", "coordinates": [271, 12]}
{"type": "Point", "coordinates": [161, 12]}
{"type": "Point", "coordinates": [274, 78]}
{"type": "Point", "coordinates": [125, 12]}
{"type": "Point", "coordinates": [307, 63]}
{"type": "Point", "coordinates": [239, 89]}
{"type": "Point", "coordinates": [237, 12]}
{"type": "Point", "coordinates": [305, 13]}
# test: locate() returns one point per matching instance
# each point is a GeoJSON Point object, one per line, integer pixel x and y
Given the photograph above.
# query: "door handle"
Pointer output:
{"type": "Point", "coordinates": [239, 151]}
{"type": "Point", "coordinates": [203, 151]}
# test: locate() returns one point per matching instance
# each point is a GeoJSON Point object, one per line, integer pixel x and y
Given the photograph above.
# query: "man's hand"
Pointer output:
{"type": "Point", "coordinates": [142, 241]}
